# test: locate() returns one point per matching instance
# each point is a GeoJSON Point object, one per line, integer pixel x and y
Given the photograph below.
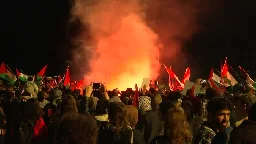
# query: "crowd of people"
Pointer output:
{"type": "Point", "coordinates": [36, 114]}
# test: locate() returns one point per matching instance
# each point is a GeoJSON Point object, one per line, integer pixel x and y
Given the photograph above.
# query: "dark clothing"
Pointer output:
{"type": "Point", "coordinates": [138, 137]}
{"type": "Point", "coordinates": [51, 119]}
{"type": "Point", "coordinates": [14, 108]}
{"type": "Point", "coordinates": [140, 123]}
{"type": "Point", "coordinates": [152, 125]}
{"type": "Point", "coordinates": [49, 110]}
{"type": "Point", "coordinates": [222, 137]}
{"type": "Point", "coordinates": [232, 118]}
{"type": "Point", "coordinates": [244, 134]}
{"type": "Point", "coordinates": [22, 132]}
{"type": "Point", "coordinates": [2, 127]}
{"type": "Point", "coordinates": [207, 135]}
{"type": "Point", "coordinates": [107, 134]}
{"type": "Point", "coordinates": [162, 139]}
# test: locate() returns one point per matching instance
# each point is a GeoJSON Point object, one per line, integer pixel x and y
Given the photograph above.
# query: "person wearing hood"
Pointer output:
{"type": "Point", "coordinates": [31, 87]}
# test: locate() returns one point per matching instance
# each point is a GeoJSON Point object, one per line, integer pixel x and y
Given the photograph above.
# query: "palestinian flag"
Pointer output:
{"type": "Point", "coordinates": [215, 80]}
{"type": "Point", "coordinates": [228, 79]}
{"type": "Point", "coordinates": [250, 82]}
{"type": "Point", "coordinates": [6, 74]}
{"type": "Point", "coordinates": [231, 78]}
{"type": "Point", "coordinates": [22, 76]}
{"type": "Point", "coordinates": [41, 74]}
{"type": "Point", "coordinates": [247, 77]}
{"type": "Point", "coordinates": [186, 76]}
{"type": "Point", "coordinates": [2, 70]}
{"type": "Point", "coordinates": [174, 82]}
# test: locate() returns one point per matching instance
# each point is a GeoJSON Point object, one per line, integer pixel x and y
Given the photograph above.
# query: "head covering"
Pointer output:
{"type": "Point", "coordinates": [26, 95]}
{"type": "Point", "coordinates": [115, 99]}
{"type": "Point", "coordinates": [57, 93]}
{"type": "Point", "coordinates": [144, 103]}
{"type": "Point", "coordinates": [132, 113]}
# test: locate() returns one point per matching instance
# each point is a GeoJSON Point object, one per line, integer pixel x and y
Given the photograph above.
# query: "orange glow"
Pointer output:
{"type": "Point", "coordinates": [126, 50]}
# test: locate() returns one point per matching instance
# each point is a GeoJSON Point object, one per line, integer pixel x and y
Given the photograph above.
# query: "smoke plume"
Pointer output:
{"type": "Point", "coordinates": [175, 22]}
{"type": "Point", "coordinates": [121, 40]}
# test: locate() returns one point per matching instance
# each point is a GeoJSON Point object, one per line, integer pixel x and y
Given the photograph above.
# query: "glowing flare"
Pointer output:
{"type": "Point", "coordinates": [126, 50]}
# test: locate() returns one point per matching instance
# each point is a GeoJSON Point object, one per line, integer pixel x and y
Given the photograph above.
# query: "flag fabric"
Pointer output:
{"type": "Point", "coordinates": [10, 77]}
{"type": "Point", "coordinates": [224, 69]}
{"type": "Point", "coordinates": [248, 79]}
{"type": "Point", "coordinates": [66, 82]}
{"type": "Point", "coordinates": [174, 82]}
{"type": "Point", "coordinates": [2, 70]}
{"type": "Point", "coordinates": [186, 75]}
{"type": "Point", "coordinates": [235, 73]}
{"type": "Point", "coordinates": [214, 80]}
{"type": "Point", "coordinates": [21, 76]}
{"type": "Point", "coordinates": [80, 85]}
{"type": "Point", "coordinates": [72, 85]}
{"type": "Point", "coordinates": [41, 73]}
{"type": "Point", "coordinates": [231, 78]}
{"type": "Point", "coordinates": [7, 74]}
{"type": "Point", "coordinates": [215, 76]}
{"type": "Point", "coordinates": [250, 82]}
{"type": "Point", "coordinates": [227, 78]}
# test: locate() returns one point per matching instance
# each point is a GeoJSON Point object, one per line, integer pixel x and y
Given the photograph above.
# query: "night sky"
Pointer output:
{"type": "Point", "coordinates": [34, 33]}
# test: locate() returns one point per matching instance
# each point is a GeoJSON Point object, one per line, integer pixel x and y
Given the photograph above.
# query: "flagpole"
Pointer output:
{"type": "Point", "coordinates": [235, 73]}
{"type": "Point", "coordinates": [244, 73]}
{"type": "Point", "coordinates": [67, 66]}
{"type": "Point", "coordinates": [9, 68]}
{"type": "Point", "coordinates": [64, 76]}
{"type": "Point", "coordinates": [221, 78]}
{"type": "Point", "coordinates": [220, 69]}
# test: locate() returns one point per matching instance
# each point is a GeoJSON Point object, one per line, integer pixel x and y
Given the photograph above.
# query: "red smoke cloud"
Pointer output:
{"type": "Point", "coordinates": [175, 22]}
{"type": "Point", "coordinates": [125, 36]}
{"type": "Point", "coordinates": [126, 49]}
